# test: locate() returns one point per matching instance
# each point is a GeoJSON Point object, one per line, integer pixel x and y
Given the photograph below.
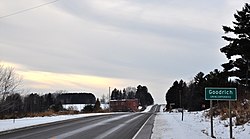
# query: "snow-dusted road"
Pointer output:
{"type": "Point", "coordinates": [166, 125]}
{"type": "Point", "coordinates": [112, 126]}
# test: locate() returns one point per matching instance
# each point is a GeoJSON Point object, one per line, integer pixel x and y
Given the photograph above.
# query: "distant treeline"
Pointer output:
{"type": "Point", "coordinates": [191, 95]}
{"type": "Point", "coordinates": [34, 103]}
{"type": "Point", "coordinates": [141, 93]}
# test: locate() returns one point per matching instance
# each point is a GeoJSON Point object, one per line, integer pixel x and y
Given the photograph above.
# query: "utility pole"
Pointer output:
{"type": "Point", "coordinates": [182, 110]}
{"type": "Point", "coordinates": [109, 99]}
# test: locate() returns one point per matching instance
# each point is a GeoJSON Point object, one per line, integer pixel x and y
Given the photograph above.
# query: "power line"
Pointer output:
{"type": "Point", "coordinates": [25, 10]}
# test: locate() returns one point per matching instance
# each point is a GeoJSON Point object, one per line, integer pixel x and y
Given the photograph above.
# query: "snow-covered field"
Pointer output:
{"type": "Point", "coordinates": [166, 125]}
{"type": "Point", "coordinates": [194, 126]}
{"type": "Point", "coordinates": [79, 107]}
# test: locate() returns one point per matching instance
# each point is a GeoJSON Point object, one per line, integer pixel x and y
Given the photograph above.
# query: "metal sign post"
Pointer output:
{"type": "Point", "coordinates": [211, 117]}
{"type": "Point", "coordinates": [229, 94]}
{"type": "Point", "coordinates": [230, 120]}
{"type": "Point", "coordinates": [182, 111]}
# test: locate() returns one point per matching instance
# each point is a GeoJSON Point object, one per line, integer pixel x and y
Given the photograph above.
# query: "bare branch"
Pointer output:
{"type": "Point", "coordinates": [9, 80]}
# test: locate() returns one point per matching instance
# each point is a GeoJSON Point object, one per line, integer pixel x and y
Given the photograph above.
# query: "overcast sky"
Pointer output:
{"type": "Point", "coordinates": [89, 45]}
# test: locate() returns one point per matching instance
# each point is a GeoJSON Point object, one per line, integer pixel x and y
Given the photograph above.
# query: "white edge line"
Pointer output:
{"type": "Point", "coordinates": [141, 127]}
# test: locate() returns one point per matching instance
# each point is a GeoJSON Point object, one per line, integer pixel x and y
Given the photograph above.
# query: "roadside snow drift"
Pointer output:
{"type": "Point", "coordinates": [194, 126]}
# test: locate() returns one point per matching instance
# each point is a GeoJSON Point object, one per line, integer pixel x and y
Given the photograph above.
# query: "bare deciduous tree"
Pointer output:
{"type": "Point", "coordinates": [9, 80]}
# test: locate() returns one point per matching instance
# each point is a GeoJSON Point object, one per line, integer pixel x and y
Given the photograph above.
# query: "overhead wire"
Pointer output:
{"type": "Point", "coordinates": [25, 10]}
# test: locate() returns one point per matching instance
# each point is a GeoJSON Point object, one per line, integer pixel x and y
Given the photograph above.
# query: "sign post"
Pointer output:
{"type": "Point", "coordinates": [229, 94]}
{"type": "Point", "coordinates": [211, 117]}
{"type": "Point", "coordinates": [230, 121]}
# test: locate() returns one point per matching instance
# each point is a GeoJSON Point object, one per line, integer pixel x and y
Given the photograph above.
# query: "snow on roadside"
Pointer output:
{"type": "Point", "coordinates": [8, 124]}
{"type": "Point", "coordinates": [194, 126]}
{"type": "Point", "coordinates": [166, 126]}
{"type": "Point", "coordinates": [169, 126]}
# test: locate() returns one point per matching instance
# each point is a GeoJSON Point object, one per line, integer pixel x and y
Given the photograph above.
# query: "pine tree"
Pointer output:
{"type": "Point", "coordinates": [115, 94]}
{"type": "Point", "coordinates": [97, 106]}
{"type": "Point", "coordinates": [239, 45]}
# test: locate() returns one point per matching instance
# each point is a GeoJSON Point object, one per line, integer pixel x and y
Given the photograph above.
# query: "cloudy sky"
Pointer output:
{"type": "Point", "coordinates": [89, 45]}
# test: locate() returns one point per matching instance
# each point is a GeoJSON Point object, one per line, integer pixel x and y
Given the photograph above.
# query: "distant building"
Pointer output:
{"type": "Point", "coordinates": [124, 105]}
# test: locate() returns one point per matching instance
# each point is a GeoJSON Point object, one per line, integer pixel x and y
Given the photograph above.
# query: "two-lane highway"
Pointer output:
{"type": "Point", "coordinates": [124, 125]}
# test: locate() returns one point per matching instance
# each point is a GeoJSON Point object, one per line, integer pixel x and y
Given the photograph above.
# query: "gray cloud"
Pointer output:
{"type": "Point", "coordinates": [154, 42]}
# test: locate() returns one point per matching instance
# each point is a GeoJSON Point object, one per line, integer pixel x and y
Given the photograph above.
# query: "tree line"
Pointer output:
{"type": "Point", "coordinates": [141, 93]}
{"type": "Point", "coordinates": [34, 103]}
{"type": "Point", "coordinates": [191, 95]}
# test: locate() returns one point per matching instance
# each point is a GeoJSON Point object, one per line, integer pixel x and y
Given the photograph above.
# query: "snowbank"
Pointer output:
{"type": "Point", "coordinates": [194, 126]}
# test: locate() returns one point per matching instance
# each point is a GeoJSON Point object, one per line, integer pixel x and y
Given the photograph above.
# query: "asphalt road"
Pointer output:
{"type": "Point", "coordinates": [114, 126]}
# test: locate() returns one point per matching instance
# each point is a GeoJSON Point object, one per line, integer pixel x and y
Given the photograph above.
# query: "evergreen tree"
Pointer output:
{"type": "Point", "coordinates": [48, 101]}
{"type": "Point", "coordinates": [216, 79]}
{"type": "Point", "coordinates": [124, 94]}
{"type": "Point", "coordinates": [13, 103]}
{"type": "Point", "coordinates": [238, 45]}
{"type": "Point", "coordinates": [115, 94]}
{"type": "Point", "coordinates": [33, 103]}
{"type": "Point", "coordinates": [97, 106]}
{"type": "Point", "coordinates": [131, 95]}
{"type": "Point", "coordinates": [144, 96]}
{"type": "Point", "coordinates": [119, 95]}
{"type": "Point", "coordinates": [175, 94]}
{"type": "Point", "coordinates": [149, 99]}
{"type": "Point", "coordinates": [198, 92]}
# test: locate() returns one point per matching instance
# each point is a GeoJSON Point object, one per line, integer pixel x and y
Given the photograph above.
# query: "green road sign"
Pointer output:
{"type": "Point", "coordinates": [220, 93]}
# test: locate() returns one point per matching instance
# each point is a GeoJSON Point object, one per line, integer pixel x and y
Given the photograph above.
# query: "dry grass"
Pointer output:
{"type": "Point", "coordinates": [243, 113]}
{"type": "Point", "coordinates": [38, 114]}
{"type": "Point", "coordinates": [240, 110]}
{"type": "Point", "coordinates": [46, 113]}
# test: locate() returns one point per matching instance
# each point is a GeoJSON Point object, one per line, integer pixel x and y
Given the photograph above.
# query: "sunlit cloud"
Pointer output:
{"type": "Point", "coordinates": [10, 64]}
{"type": "Point", "coordinates": [91, 45]}
{"type": "Point", "coordinates": [68, 81]}
{"type": "Point", "coordinates": [41, 80]}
